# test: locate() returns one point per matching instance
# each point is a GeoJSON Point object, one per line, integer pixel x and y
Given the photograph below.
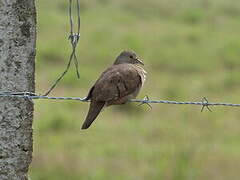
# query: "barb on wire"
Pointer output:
{"type": "Point", "coordinates": [205, 104]}
{"type": "Point", "coordinates": [74, 39]}
{"type": "Point", "coordinates": [146, 100]}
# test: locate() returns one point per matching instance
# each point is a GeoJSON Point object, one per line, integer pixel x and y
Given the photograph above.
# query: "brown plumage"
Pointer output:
{"type": "Point", "coordinates": [119, 83]}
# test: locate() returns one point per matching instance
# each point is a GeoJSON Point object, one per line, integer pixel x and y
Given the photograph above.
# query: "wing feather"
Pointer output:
{"type": "Point", "coordinates": [116, 82]}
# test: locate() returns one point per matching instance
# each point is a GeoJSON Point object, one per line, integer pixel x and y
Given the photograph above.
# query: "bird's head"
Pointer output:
{"type": "Point", "coordinates": [128, 57]}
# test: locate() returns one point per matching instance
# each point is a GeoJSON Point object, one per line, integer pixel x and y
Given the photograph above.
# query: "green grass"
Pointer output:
{"type": "Point", "coordinates": [191, 49]}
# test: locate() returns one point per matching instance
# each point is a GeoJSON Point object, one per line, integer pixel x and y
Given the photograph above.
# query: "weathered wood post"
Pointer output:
{"type": "Point", "coordinates": [17, 56]}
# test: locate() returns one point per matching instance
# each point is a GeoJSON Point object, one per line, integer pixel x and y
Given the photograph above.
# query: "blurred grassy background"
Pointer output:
{"type": "Point", "coordinates": [191, 49]}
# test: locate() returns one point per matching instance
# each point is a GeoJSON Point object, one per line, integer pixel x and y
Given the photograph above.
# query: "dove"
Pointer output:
{"type": "Point", "coordinates": [116, 85]}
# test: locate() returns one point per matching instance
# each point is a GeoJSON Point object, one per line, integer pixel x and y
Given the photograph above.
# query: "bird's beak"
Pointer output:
{"type": "Point", "coordinates": [139, 61]}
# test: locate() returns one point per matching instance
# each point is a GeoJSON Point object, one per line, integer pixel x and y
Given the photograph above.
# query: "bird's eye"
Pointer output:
{"type": "Point", "coordinates": [131, 56]}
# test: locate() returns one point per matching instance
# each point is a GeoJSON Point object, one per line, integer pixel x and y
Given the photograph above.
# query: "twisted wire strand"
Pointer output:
{"type": "Point", "coordinates": [74, 39]}
{"type": "Point", "coordinates": [79, 20]}
{"type": "Point", "coordinates": [204, 103]}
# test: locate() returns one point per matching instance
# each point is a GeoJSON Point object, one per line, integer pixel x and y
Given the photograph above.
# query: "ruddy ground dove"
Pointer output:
{"type": "Point", "coordinates": [119, 83]}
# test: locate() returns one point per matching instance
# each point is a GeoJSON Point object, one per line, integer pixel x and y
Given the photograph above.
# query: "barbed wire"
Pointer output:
{"type": "Point", "coordinates": [74, 39]}
{"type": "Point", "coordinates": [204, 103]}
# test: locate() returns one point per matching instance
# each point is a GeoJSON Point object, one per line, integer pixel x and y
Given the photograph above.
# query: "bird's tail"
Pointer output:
{"type": "Point", "coordinates": [94, 110]}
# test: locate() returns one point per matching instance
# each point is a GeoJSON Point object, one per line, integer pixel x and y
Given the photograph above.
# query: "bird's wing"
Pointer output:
{"type": "Point", "coordinates": [116, 82]}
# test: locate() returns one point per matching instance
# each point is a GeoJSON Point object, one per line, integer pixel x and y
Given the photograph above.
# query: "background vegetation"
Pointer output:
{"type": "Point", "coordinates": [191, 49]}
